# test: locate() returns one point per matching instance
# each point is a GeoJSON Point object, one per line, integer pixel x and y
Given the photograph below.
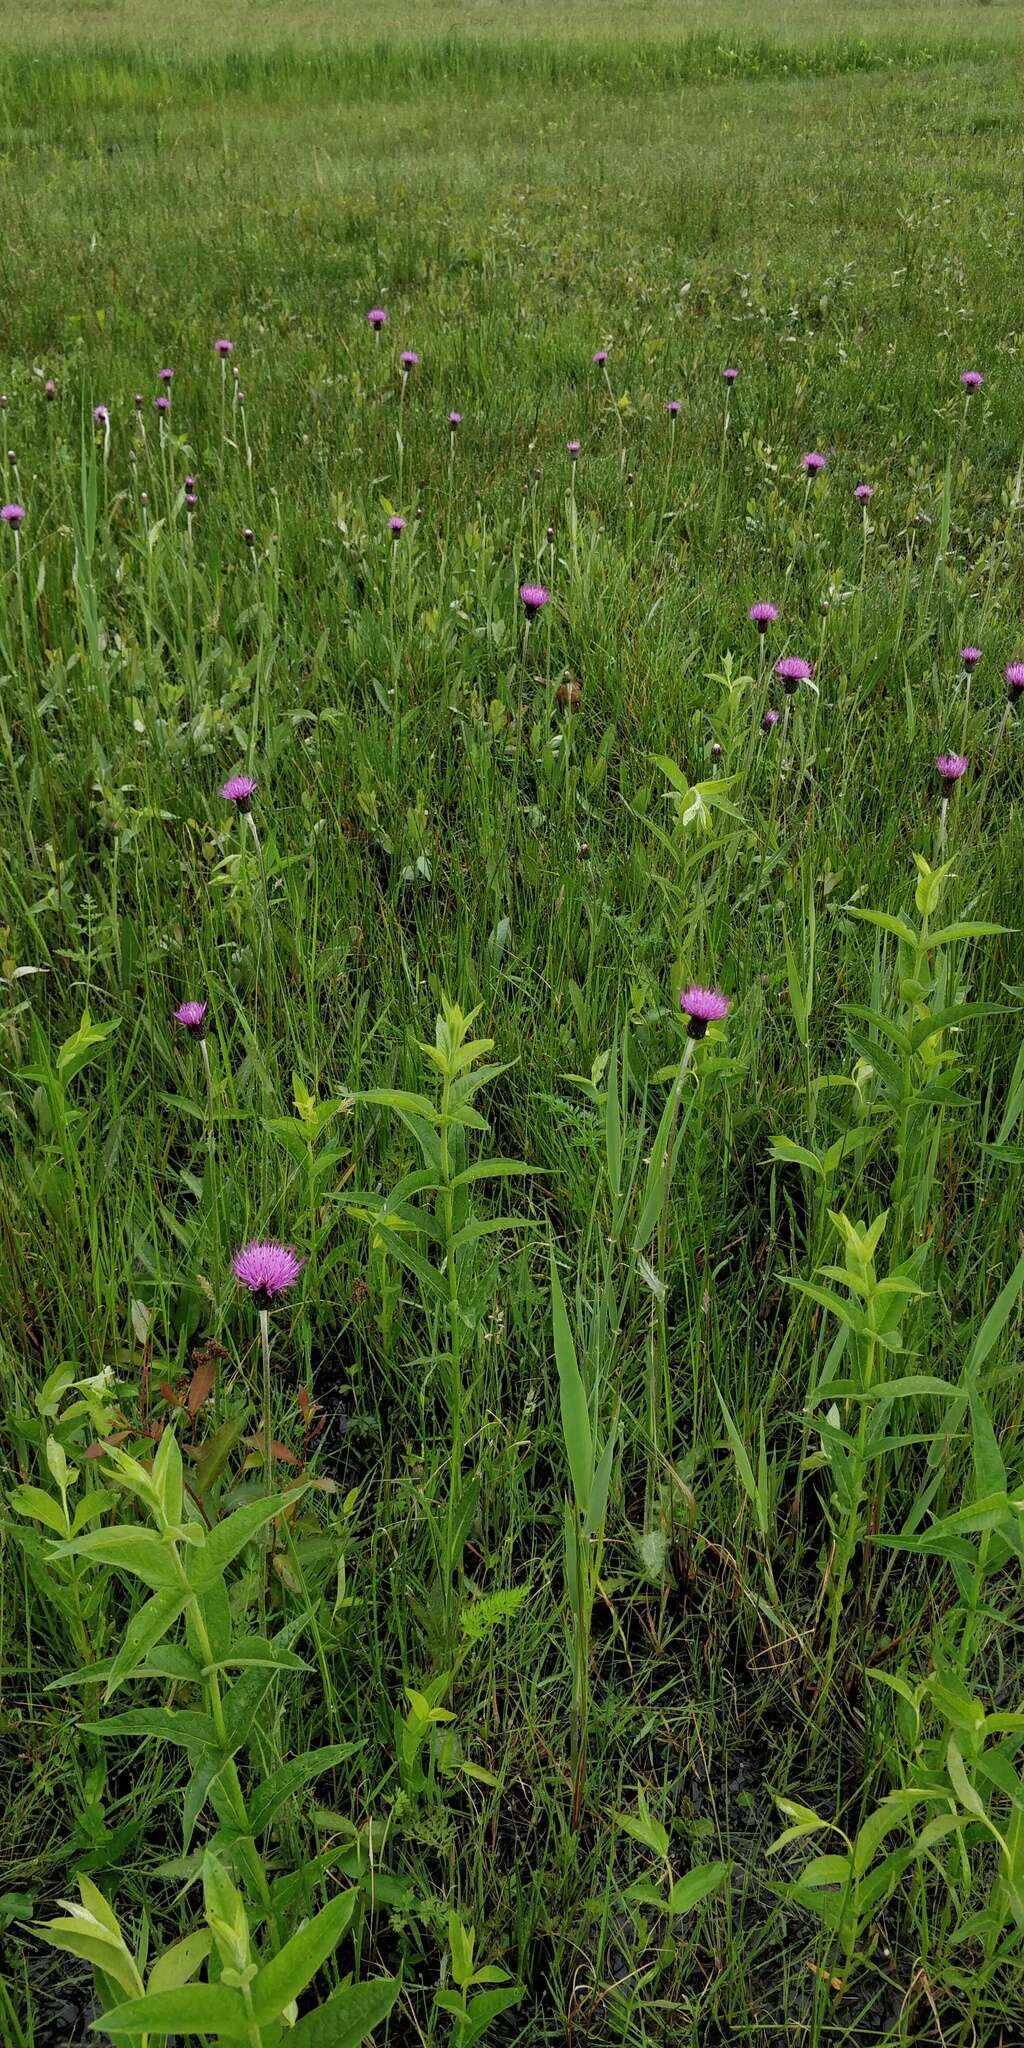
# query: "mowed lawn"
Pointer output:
{"type": "Point", "coordinates": [303, 570]}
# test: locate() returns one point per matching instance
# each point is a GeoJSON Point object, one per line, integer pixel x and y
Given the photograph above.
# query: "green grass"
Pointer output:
{"type": "Point", "coordinates": [833, 204]}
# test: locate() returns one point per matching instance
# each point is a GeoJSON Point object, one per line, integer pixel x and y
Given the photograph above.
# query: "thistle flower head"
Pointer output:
{"type": "Point", "coordinates": [701, 1007]}
{"type": "Point", "coordinates": [162, 403]}
{"type": "Point", "coordinates": [139, 402]}
{"type": "Point", "coordinates": [396, 524]}
{"type": "Point", "coordinates": [50, 388]}
{"type": "Point", "coordinates": [266, 1269]}
{"type": "Point", "coordinates": [730, 374]}
{"type": "Point", "coordinates": [377, 317]}
{"type": "Point", "coordinates": [970, 657]}
{"type": "Point", "coordinates": [238, 790]}
{"type": "Point", "coordinates": [763, 616]}
{"type": "Point", "coordinates": [223, 346]}
{"type": "Point", "coordinates": [793, 670]}
{"type": "Point", "coordinates": [191, 1017]}
{"type": "Point", "coordinates": [1015, 678]}
{"type": "Point", "coordinates": [454, 420]}
{"type": "Point", "coordinates": [12, 515]}
{"type": "Point", "coordinates": [770, 719]}
{"type": "Point", "coordinates": [167, 376]}
{"type": "Point", "coordinates": [674, 408]}
{"type": "Point", "coordinates": [814, 462]}
{"type": "Point", "coordinates": [533, 597]}
{"type": "Point", "coordinates": [600, 357]}
{"type": "Point", "coordinates": [101, 415]}
{"type": "Point", "coordinates": [408, 359]}
{"type": "Point", "coordinates": [864, 493]}
{"type": "Point", "coordinates": [573, 448]}
{"type": "Point", "coordinates": [972, 380]}
{"type": "Point", "coordinates": [951, 766]}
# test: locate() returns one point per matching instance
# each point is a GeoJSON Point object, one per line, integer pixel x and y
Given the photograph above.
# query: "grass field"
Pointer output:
{"type": "Point", "coordinates": [639, 1593]}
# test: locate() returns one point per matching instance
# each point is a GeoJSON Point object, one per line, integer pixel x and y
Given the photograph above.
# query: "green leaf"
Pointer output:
{"type": "Point", "coordinates": [403, 1101]}
{"type": "Point", "coordinates": [144, 1631]}
{"type": "Point", "coordinates": [951, 932]}
{"type": "Point", "coordinates": [696, 1885]}
{"type": "Point", "coordinates": [898, 926]}
{"type": "Point", "coordinates": [298, 1961]}
{"type": "Point", "coordinates": [32, 1500]}
{"type": "Point", "coordinates": [349, 2017]}
{"type": "Point", "coordinates": [140, 1551]}
{"type": "Point", "coordinates": [997, 1318]}
{"type": "Point", "coordinates": [189, 2009]}
{"type": "Point", "coordinates": [291, 1777]}
{"type": "Point", "coordinates": [576, 1432]}
{"type": "Point", "coordinates": [223, 1544]}
{"type": "Point", "coordinates": [189, 1729]}
{"type": "Point", "coordinates": [178, 1964]}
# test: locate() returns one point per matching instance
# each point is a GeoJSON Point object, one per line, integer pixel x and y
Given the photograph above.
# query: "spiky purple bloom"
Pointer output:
{"type": "Point", "coordinates": [730, 375]}
{"type": "Point", "coordinates": [377, 317]}
{"type": "Point", "coordinates": [763, 616]}
{"type": "Point", "coordinates": [864, 493]}
{"type": "Point", "coordinates": [793, 670]}
{"type": "Point", "coordinates": [396, 525]}
{"type": "Point", "coordinates": [50, 388]}
{"type": "Point", "coordinates": [191, 501]}
{"type": "Point", "coordinates": [600, 357]}
{"type": "Point", "coordinates": [190, 483]}
{"type": "Point", "coordinates": [970, 656]}
{"type": "Point", "coordinates": [223, 346]}
{"type": "Point", "coordinates": [1015, 679]}
{"type": "Point", "coordinates": [408, 359]}
{"type": "Point", "coordinates": [238, 790]}
{"type": "Point", "coordinates": [573, 448]}
{"type": "Point", "coordinates": [191, 1016]}
{"type": "Point", "coordinates": [815, 462]}
{"type": "Point", "coordinates": [162, 403]}
{"type": "Point", "coordinates": [674, 408]}
{"type": "Point", "coordinates": [101, 415]}
{"type": "Point", "coordinates": [454, 420]}
{"type": "Point", "coordinates": [951, 766]}
{"type": "Point", "coordinates": [771, 718]}
{"type": "Point", "coordinates": [972, 380]}
{"type": "Point", "coordinates": [266, 1269]}
{"type": "Point", "coordinates": [534, 597]}
{"type": "Point", "coordinates": [139, 401]}
{"type": "Point", "coordinates": [167, 376]}
{"type": "Point", "coordinates": [12, 515]}
{"type": "Point", "coordinates": [701, 1007]}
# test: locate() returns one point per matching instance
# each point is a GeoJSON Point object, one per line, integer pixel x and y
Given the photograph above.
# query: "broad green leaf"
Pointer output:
{"type": "Point", "coordinates": [41, 1506]}
{"type": "Point", "coordinates": [349, 2017]}
{"type": "Point", "coordinates": [184, 1726]}
{"type": "Point", "coordinates": [696, 1885]}
{"type": "Point", "coordinates": [144, 1631]}
{"type": "Point", "coordinates": [178, 1964]}
{"type": "Point", "coordinates": [139, 1551]}
{"type": "Point", "coordinates": [298, 1961]}
{"type": "Point", "coordinates": [291, 1777]}
{"type": "Point", "coordinates": [224, 1542]}
{"type": "Point", "coordinates": [190, 2009]}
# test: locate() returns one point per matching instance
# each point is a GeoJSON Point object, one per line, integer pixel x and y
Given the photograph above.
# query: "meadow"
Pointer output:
{"type": "Point", "coordinates": [512, 1045]}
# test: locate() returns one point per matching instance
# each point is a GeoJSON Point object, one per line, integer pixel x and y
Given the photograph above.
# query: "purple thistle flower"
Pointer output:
{"type": "Point", "coordinates": [1015, 679]}
{"type": "Point", "coordinates": [167, 376]}
{"type": "Point", "coordinates": [238, 790]}
{"type": "Point", "coordinates": [101, 415]}
{"type": "Point", "coordinates": [223, 347]}
{"type": "Point", "coordinates": [793, 670]}
{"type": "Point", "coordinates": [864, 493]}
{"type": "Point", "coordinates": [701, 1007]}
{"type": "Point", "coordinates": [534, 597]}
{"type": "Point", "coordinates": [162, 403]}
{"type": "Point", "coordinates": [600, 357]}
{"type": "Point", "coordinates": [951, 766]}
{"type": "Point", "coordinates": [716, 750]}
{"type": "Point", "coordinates": [377, 317]}
{"type": "Point", "coordinates": [12, 515]}
{"type": "Point", "coordinates": [814, 463]}
{"type": "Point", "coordinates": [191, 1017]}
{"type": "Point", "coordinates": [50, 388]}
{"type": "Point", "coordinates": [454, 420]}
{"type": "Point", "coordinates": [191, 501]}
{"type": "Point", "coordinates": [573, 448]}
{"type": "Point", "coordinates": [190, 483]}
{"type": "Point", "coordinates": [139, 401]}
{"type": "Point", "coordinates": [408, 359]}
{"type": "Point", "coordinates": [674, 408]}
{"type": "Point", "coordinates": [972, 380]}
{"type": "Point", "coordinates": [970, 656]}
{"type": "Point", "coordinates": [771, 718]}
{"type": "Point", "coordinates": [730, 375]}
{"type": "Point", "coordinates": [266, 1269]}
{"type": "Point", "coordinates": [763, 616]}
{"type": "Point", "coordinates": [396, 525]}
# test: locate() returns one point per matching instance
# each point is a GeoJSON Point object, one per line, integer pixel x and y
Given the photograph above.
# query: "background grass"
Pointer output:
{"type": "Point", "coordinates": [833, 203]}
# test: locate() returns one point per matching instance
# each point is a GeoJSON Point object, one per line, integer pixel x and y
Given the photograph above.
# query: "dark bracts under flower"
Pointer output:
{"type": "Point", "coordinates": [951, 767]}
{"type": "Point", "coordinates": [792, 670]}
{"type": "Point", "coordinates": [377, 317]}
{"type": "Point", "coordinates": [12, 515]}
{"type": "Point", "coordinates": [266, 1269]}
{"type": "Point", "coordinates": [701, 1007]}
{"type": "Point", "coordinates": [192, 1018]}
{"type": "Point", "coordinates": [863, 494]}
{"type": "Point", "coordinates": [970, 656]}
{"type": "Point", "coordinates": [533, 597]}
{"type": "Point", "coordinates": [814, 463]}
{"type": "Point", "coordinates": [238, 790]}
{"type": "Point", "coordinates": [972, 380]}
{"type": "Point", "coordinates": [1015, 680]}
{"type": "Point", "coordinates": [763, 616]}
{"type": "Point", "coordinates": [730, 374]}
{"type": "Point", "coordinates": [770, 720]}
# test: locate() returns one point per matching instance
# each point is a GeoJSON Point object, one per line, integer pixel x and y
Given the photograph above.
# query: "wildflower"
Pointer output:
{"type": "Point", "coordinates": [814, 463]}
{"type": "Point", "coordinates": [12, 515]}
{"type": "Point", "coordinates": [139, 401]}
{"type": "Point", "coordinates": [1015, 680]}
{"type": "Point", "coordinates": [191, 1017]}
{"type": "Point", "coordinates": [454, 420]}
{"type": "Point", "coordinates": [970, 656]}
{"type": "Point", "coordinates": [50, 388]}
{"type": "Point", "coordinates": [248, 536]}
{"type": "Point", "coordinates": [573, 448]}
{"type": "Point", "coordinates": [600, 357]}
{"type": "Point", "coordinates": [793, 670]}
{"type": "Point", "coordinates": [864, 493]}
{"type": "Point", "coordinates": [238, 790]}
{"type": "Point", "coordinates": [377, 317]}
{"type": "Point", "coordinates": [223, 347]}
{"type": "Point", "coordinates": [763, 616]}
{"type": "Point", "coordinates": [191, 501]}
{"type": "Point", "coordinates": [162, 403]}
{"type": "Point", "coordinates": [408, 359]}
{"type": "Point", "coordinates": [534, 597]}
{"type": "Point", "coordinates": [730, 375]}
{"type": "Point", "coordinates": [701, 1007]}
{"type": "Point", "coordinates": [266, 1269]}
{"type": "Point", "coordinates": [770, 719]}
{"type": "Point", "coordinates": [674, 408]}
{"type": "Point", "coordinates": [101, 415]}
{"type": "Point", "coordinates": [951, 766]}
{"type": "Point", "coordinates": [716, 750]}
{"type": "Point", "coordinates": [972, 380]}
{"type": "Point", "coordinates": [396, 525]}
{"type": "Point", "coordinates": [167, 376]}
